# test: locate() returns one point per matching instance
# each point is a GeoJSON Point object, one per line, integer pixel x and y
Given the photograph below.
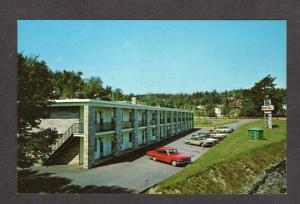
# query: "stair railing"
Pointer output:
{"type": "Point", "coordinates": [74, 128]}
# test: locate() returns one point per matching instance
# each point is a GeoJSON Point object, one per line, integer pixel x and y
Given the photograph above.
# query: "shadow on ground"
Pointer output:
{"type": "Point", "coordinates": [131, 156]}
{"type": "Point", "coordinates": [31, 182]}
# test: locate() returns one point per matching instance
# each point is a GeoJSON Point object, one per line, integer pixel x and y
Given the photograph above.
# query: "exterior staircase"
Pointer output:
{"type": "Point", "coordinates": [64, 140]}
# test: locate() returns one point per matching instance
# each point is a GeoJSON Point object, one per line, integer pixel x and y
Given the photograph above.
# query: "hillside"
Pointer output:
{"type": "Point", "coordinates": [233, 165]}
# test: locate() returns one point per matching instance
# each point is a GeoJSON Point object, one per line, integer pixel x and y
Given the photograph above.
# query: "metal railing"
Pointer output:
{"type": "Point", "coordinates": [153, 122]}
{"type": "Point", "coordinates": [107, 126]}
{"type": "Point", "coordinates": [142, 123]}
{"type": "Point", "coordinates": [75, 128]}
{"type": "Point", "coordinates": [127, 124]}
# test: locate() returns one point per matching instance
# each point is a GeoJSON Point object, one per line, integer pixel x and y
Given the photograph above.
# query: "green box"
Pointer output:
{"type": "Point", "coordinates": [255, 134]}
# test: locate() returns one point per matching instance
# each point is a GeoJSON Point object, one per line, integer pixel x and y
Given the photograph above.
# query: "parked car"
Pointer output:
{"type": "Point", "coordinates": [200, 141]}
{"type": "Point", "coordinates": [169, 155]}
{"type": "Point", "coordinates": [208, 137]}
{"type": "Point", "coordinates": [223, 129]}
{"type": "Point", "coordinates": [219, 136]}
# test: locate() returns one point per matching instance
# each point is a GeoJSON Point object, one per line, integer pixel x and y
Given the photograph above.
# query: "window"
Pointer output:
{"type": "Point", "coordinates": [163, 151]}
{"type": "Point", "coordinates": [173, 151]}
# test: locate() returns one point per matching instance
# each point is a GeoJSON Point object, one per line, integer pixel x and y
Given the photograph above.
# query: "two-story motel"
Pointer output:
{"type": "Point", "coordinates": [96, 130]}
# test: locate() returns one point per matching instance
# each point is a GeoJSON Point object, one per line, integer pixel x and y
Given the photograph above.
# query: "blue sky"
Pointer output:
{"type": "Point", "coordinates": [155, 56]}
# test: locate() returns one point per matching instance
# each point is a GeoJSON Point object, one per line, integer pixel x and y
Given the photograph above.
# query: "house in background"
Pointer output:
{"type": "Point", "coordinates": [94, 131]}
{"type": "Point", "coordinates": [218, 112]}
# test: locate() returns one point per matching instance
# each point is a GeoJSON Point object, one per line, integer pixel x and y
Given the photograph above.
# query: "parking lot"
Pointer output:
{"type": "Point", "coordinates": [131, 175]}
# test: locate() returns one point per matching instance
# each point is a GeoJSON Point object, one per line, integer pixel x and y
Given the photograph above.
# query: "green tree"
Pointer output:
{"type": "Point", "coordinates": [68, 84]}
{"type": "Point", "coordinates": [265, 86]}
{"type": "Point", "coordinates": [93, 87]}
{"type": "Point", "coordinates": [34, 89]}
{"type": "Point", "coordinates": [210, 110]}
{"type": "Point", "coordinates": [118, 94]}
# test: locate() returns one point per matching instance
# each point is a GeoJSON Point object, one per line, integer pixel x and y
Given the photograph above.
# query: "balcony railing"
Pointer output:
{"type": "Point", "coordinates": [107, 126]}
{"type": "Point", "coordinates": [142, 123]}
{"type": "Point", "coordinates": [127, 124]}
{"type": "Point", "coordinates": [153, 122]}
{"type": "Point", "coordinates": [77, 127]}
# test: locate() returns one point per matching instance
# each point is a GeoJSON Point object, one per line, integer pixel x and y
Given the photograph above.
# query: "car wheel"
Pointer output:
{"type": "Point", "coordinates": [154, 159]}
{"type": "Point", "coordinates": [174, 163]}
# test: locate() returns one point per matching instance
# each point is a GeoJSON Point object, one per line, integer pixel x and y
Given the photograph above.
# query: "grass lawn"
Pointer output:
{"type": "Point", "coordinates": [210, 123]}
{"type": "Point", "coordinates": [228, 160]}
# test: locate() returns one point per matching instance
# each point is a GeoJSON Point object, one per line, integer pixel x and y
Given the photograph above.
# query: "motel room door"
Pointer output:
{"type": "Point", "coordinates": [99, 148]}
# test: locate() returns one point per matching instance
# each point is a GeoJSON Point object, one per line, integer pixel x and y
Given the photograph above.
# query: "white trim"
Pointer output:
{"type": "Point", "coordinates": [101, 103]}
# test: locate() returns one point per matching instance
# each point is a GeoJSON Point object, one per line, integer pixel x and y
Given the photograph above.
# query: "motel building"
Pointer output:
{"type": "Point", "coordinates": [94, 131]}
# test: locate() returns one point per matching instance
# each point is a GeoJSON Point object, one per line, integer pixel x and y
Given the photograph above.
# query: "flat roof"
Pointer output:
{"type": "Point", "coordinates": [111, 104]}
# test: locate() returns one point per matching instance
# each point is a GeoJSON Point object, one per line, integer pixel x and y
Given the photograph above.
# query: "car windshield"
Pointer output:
{"type": "Point", "coordinates": [173, 151]}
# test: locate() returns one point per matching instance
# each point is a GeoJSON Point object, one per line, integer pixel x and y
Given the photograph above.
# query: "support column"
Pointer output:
{"type": "Point", "coordinates": [172, 123]}
{"type": "Point", "coordinates": [188, 123]}
{"type": "Point", "coordinates": [186, 119]}
{"type": "Point", "coordinates": [177, 124]}
{"type": "Point", "coordinates": [193, 125]}
{"type": "Point", "coordinates": [117, 137]}
{"type": "Point", "coordinates": [89, 136]}
{"type": "Point", "coordinates": [165, 124]}
{"type": "Point", "coordinates": [148, 126]}
{"type": "Point", "coordinates": [135, 129]}
{"type": "Point", "coordinates": [184, 122]}
{"type": "Point", "coordinates": [158, 125]}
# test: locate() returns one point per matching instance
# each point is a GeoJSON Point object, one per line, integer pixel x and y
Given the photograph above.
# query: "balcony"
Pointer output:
{"type": "Point", "coordinates": [142, 123]}
{"type": "Point", "coordinates": [153, 122]}
{"type": "Point", "coordinates": [77, 128]}
{"type": "Point", "coordinates": [127, 124]}
{"type": "Point", "coordinates": [108, 126]}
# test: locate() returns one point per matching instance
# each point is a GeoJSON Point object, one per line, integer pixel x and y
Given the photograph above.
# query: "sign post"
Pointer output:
{"type": "Point", "coordinates": [267, 108]}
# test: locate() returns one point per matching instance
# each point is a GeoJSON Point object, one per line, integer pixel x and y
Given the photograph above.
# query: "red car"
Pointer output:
{"type": "Point", "coordinates": [169, 155]}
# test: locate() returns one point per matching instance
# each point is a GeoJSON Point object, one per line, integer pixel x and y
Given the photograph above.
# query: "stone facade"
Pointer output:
{"type": "Point", "coordinates": [172, 123]}
{"type": "Point", "coordinates": [177, 124]}
{"type": "Point", "coordinates": [117, 138]}
{"type": "Point", "coordinates": [148, 128]}
{"type": "Point", "coordinates": [165, 124]}
{"type": "Point", "coordinates": [135, 129]}
{"type": "Point", "coordinates": [157, 125]}
{"type": "Point", "coordinates": [89, 137]}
